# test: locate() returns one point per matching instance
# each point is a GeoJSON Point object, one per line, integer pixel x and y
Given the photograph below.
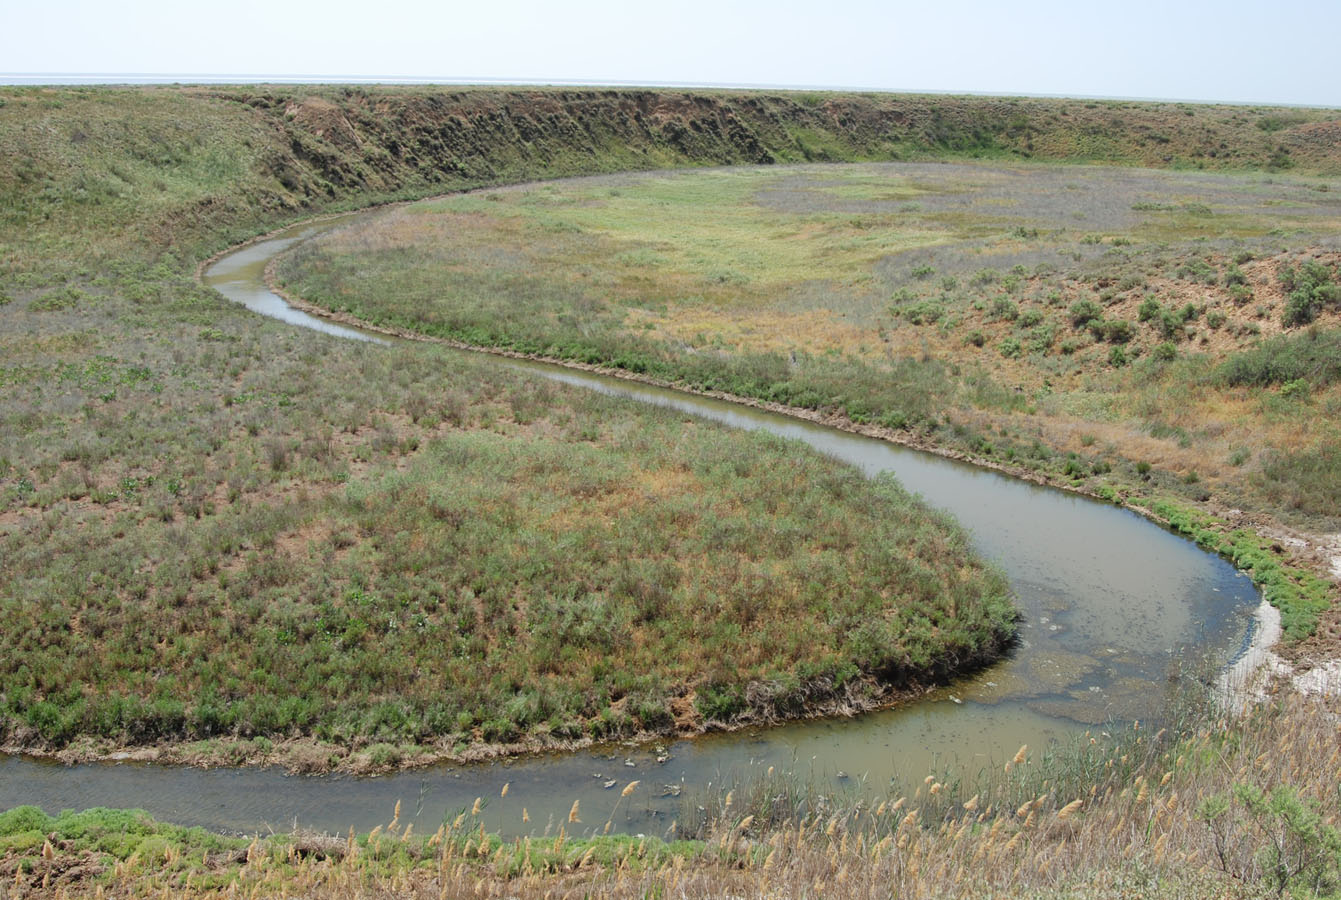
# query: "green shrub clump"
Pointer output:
{"type": "Point", "coordinates": [1085, 311]}
{"type": "Point", "coordinates": [925, 313]}
{"type": "Point", "coordinates": [1310, 288]}
{"type": "Point", "coordinates": [1312, 356]}
{"type": "Point", "coordinates": [1118, 331]}
{"type": "Point", "coordinates": [1165, 352]}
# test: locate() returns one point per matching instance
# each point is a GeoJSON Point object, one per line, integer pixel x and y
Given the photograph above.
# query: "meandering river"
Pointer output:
{"type": "Point", "coordinates": [1112, 606]}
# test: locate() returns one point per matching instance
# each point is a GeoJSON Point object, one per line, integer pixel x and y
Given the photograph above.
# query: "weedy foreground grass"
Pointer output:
{"type": "Point", "coordinates": [1241, 808]}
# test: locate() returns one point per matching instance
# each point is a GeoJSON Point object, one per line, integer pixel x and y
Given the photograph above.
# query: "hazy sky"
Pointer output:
{"type": "Point", "coordinates": [1230, 50]}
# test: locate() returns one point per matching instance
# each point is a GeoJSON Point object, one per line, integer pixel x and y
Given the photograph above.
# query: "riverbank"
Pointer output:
{"type": "Point", "coordinates": [310, 756]}
{"type": "Point", "coordinates": [1169, 814]}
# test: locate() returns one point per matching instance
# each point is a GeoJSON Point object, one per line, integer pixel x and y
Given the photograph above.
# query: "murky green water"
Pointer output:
{"type": "Point", "coordinates": [1112, 605]}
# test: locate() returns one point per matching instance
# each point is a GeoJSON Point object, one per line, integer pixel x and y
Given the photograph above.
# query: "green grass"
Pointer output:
{"type": "Point", "coordinates": [903, 296]}
{"type": "Point", "coordinates": [1300, 595]}
{"type": "Point", "coordinates": [112, 833]}
{"type": "Point", "coordinates": [118, 847]}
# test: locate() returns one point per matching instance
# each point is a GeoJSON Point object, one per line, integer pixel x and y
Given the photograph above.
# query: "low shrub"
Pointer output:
{"type": "Point", "coordinates": [1118, 331]}
{"type": "Point", "coordinates": [926, 312]}
{"type": "Point", "coordinates": [1313, 356]}
{"type": "Point", "coordinates": [1005, 308]}
{"type": "Point", "coordinates": [1085, 311]}
{"type": "Point", "coordinates": [1030, 317]}
{"type": "Point", "coordinates": [1310, 288]}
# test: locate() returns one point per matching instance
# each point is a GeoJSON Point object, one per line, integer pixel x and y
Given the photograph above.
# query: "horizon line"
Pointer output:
{"type": "Point", "coordinates": [186, 79]}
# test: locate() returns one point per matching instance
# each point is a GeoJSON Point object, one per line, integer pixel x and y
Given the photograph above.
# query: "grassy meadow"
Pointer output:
{"type": "Point", "coordinates": [247, 543]}
{"type": "Point", "coordinates": [1133, 333]}
{"type": "Point", "coordinates": [230, 541]}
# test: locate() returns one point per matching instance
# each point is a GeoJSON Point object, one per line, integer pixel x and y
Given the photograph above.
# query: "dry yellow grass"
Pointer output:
{"type": "Point", "coordinates": [815, 332]}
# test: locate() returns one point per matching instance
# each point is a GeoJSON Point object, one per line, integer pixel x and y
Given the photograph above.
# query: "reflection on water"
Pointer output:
{"type": "Point", "coordinates": [240, 276]}
{"type": "Point", "coordinates": [1111, 606]}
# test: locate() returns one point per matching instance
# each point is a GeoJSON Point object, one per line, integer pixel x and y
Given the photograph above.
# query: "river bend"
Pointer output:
{"type": "Point", "coordinates": [1111, 605]}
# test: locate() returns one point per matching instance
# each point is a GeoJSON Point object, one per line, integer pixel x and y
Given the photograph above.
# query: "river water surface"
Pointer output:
{"type": "Point", "coordinates": [1112, 605]}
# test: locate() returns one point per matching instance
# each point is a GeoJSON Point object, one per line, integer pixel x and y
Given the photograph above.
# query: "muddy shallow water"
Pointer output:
{"type": "Point", "coordinates": [1111, 604]}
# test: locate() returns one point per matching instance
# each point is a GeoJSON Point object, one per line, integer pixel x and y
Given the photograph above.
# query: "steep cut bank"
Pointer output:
{"type": "Point", "coordinates": [213, 163]}
{"type": "Point", "coordinates": [381, 139]}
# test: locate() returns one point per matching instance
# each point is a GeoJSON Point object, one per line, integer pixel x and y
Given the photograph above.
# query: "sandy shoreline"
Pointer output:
{"type": "Point", "coordinates": [1245, 680]}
